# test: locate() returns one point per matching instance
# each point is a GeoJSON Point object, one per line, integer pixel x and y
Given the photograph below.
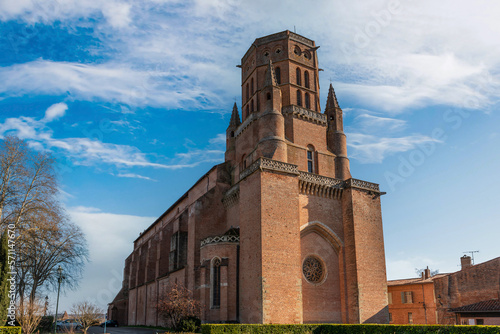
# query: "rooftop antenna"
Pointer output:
{"type": "Point", "coordinates": [294, 30]}
{"type": "Point", "coordinates": [472, 255]}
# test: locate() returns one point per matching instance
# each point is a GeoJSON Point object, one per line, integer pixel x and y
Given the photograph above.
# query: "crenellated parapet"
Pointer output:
{"type": "Point", "coordinates": [309, 183]}
{"type": "Point", "coordinates": [305, 114]}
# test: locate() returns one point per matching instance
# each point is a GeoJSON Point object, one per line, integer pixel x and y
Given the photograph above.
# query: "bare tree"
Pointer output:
{"type": "Point", "coordinates": [29, 314]}
{"type": "Point", "coordinates": [45, 238]}
{"type": "Point", "coordinates": [177, 304]}
{"type": "Point", "coordinates": [87, 314]}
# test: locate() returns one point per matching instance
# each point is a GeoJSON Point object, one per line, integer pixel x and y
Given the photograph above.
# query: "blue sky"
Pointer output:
{"type": "Point", "coordinates": [133, 98]}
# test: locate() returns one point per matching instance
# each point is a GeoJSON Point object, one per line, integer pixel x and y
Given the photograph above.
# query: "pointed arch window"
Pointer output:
{"type": "Point", "coordinates": [310, 159]}
{"type": "Point", "coordinates": [253, 88]}
{"type": "Point", "coordinates": [216, 263]}
{"type": "Point", "coordinates": [248, 92]}
{"type": "Point", "coordinates": [251, 106]}
{"type": "Point", "coordinates": [297, 74]}
{"type": "Point", "coordinates": [306, 79]}
{"type": "Point", "coordinates": [299, 98]}
{"type": "Point", "coordinates": [307, 101]}
{"type": "Point", "coordinates": [277, 71]}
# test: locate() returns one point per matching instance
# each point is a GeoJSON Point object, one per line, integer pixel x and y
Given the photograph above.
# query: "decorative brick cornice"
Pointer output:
{"type": "Point", "coordinates": [272, 165]}
{"type": "Point", "coordinates": [301, 39]}
{"type": "Point", "coordinates": [305, 114]}
{"type": "Point", "coordinates": [220, 239]}
{"type": "Point", "coordinates": [245, 124]}
{"type": "Point", "coordinates": [232, 196]}
{"type": "Point", "coordinates": [360, 184]}
{"type": "Point", "coordinates": [313, 184]}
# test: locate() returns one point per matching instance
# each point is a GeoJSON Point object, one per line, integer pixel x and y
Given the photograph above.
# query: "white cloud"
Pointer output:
{"type": "Point", "coordinates": [106, 82]}
{"type": "Point", "coordinates": [182, 54]}
{"type": "Point", "coordinates": [219, 139]}
{"type": "Point", "coordinates": [110, 239]}
{"type": "Point", "coordinates": [135, 176]}
{"type": "Point", "coordinates": [374, 149]}
{"type": "Point", "coordinates": [88, 152]}
{"type": "Point", "coordinates": [55, 111]}
{"type": "Point", "coordinates": [367, 123]}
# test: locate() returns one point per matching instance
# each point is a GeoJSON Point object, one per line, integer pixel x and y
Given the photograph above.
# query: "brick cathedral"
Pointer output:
{"type": "Point", "coordinates": [280, 232]}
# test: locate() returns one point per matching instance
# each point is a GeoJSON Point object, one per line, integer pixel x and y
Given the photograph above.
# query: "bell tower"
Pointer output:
{"type": "Point", "coordinates": [295, 66]}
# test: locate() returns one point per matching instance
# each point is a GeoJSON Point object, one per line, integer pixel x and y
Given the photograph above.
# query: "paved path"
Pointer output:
{"type": "Point", "coordinates": [123, 330]}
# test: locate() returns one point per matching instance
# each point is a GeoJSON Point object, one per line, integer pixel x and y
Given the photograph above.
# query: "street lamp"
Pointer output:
{"type": "Point", "coordinates": [60, 277]}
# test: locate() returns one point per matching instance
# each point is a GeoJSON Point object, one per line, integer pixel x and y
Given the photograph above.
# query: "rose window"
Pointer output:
{"type": "Point", "coordinates": [313, 269]}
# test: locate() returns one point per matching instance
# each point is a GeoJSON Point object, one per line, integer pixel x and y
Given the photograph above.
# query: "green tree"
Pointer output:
{"type": "Point", "coordinates": [4, 275]}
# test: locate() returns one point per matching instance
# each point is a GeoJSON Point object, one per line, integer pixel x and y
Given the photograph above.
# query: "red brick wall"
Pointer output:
{"type": "Point", "coordinates": [321, 302]}
{"type": "Point", "coordinates": [468, 286]}
{"type": "Point", "coordinates": [422, 294]}
{"type": "Point", "coordinates": [281, 265]}
{"type": "Point", "coordinates": [250, 245]}
{"type": "Point", "coordinates": [365, 259]}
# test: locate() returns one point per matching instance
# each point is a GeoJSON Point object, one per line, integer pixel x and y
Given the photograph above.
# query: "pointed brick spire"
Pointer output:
{"type": "Point", "coordinates": [235, 117]}
{"type": "Point", "coordinates": [270, 79]}
{"type": "Point", "coordinates": [331, 102]}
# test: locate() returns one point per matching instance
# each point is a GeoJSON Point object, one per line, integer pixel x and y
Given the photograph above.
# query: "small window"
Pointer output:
{"type": "Point", "coordinates": [307, 101]}
{"type": "Point", "coordinates": [248, 91]}
{"type": "Point", "coordinates": [410, 317]}
{"type": "Point", "coordinates": [406, 297]}
{"type": "Point", "coordinates": [390, 317]}
{"type": "Point", "coordinates": [248, 111]}
{"type": "Point", "coordinates": [268, 96]}
{"type": "Point", "coordinates": [389, 296]}
{"type": "Point", "coordinates": [297, 74]}
{"type": "Point", "coordinates": [299, 98]}
{"type": "Point", "coordinates": [310, 159]}
{"type": "Point", "coordinates": [253, 89]}
{"type": "Point", "coordinates": [277, 71]}
{"type": "Point", "coordinates": [216, 263]}
{"type": "Point", "coordinates": [306, 79]}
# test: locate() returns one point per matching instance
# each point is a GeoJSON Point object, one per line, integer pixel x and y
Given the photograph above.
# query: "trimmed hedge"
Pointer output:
{"type": "Point", "coordinates": [346, 329]}
{"type": "Point", "coordinates": [10, 330]}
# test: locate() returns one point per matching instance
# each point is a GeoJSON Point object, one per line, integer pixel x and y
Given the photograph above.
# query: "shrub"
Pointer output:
{"type": "Point", "coordinates": [46, 324]}
{"type": "Point", "coordinates": [347, 329]}
{"type": "Point", "coordinates": [190, 324]}
{"type": "Point", "coordinates": [10, 330]}
{"type": "Point", "coordinates": [176, 305]}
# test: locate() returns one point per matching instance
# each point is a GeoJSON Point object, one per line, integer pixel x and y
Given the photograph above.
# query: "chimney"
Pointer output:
{"type": "Point", "coordinates": [423, 275]}
{"type": "Point", "coordinates": [427, 272]}
{"type": "Point", "coordinates": [466, 261]}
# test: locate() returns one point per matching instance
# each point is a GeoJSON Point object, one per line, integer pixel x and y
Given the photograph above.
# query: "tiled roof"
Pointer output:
{"type": "Point", "coordinates": [417, 280]}
{"type": "Point", "coordinates": [484, 306]}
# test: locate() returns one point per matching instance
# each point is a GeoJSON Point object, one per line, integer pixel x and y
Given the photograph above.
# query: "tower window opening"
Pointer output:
{"type": "Point", "coordinates": [307, 101]}
{"type": "Point", "coordinates": [310, 159]}
{"type": "Point", "coordinates": [232, 134]}
{"type": "Point", "coordinates": [268, 96]}
{"type": "Point", "coordinates": [253, 89]}
{"type": "Point", "coordinates": [251, 106]}
{"type": "Point", "coordinates": [248, 111]}
{"type": "Point", "coordinates": [216, 263]}
{"type": "Point", "coordinates": [306, 79]}
{"type": "Point", "coordinates": [297, 74]}
{"type": "Point", "coordinates": [299, 98]}
{"type": "Point", "coordinates": [277, 71]}
{"type": "Point", "coordinates": [248, 92]}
